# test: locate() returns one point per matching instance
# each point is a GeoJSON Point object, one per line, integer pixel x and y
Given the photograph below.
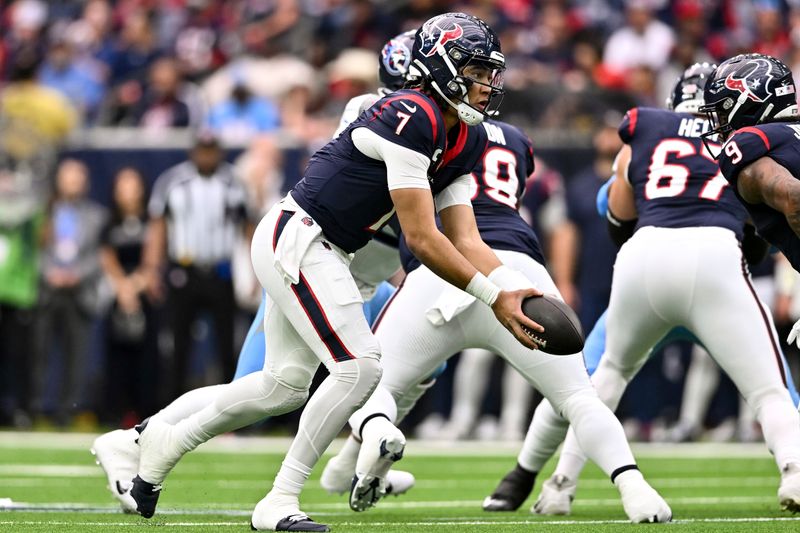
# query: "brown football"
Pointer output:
{"type": "Point", "coordinates": [562, 334]}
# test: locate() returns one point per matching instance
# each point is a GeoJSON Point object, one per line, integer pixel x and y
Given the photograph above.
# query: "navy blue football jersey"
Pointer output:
{"type": "Point", "coordinates": [498, 185]}
{"type": "Point", "coordinates": [780, 142]}
{"type": "Point", "coordinates": [347, 192]}
{"type": "Point", "coordinates": [676, 181]}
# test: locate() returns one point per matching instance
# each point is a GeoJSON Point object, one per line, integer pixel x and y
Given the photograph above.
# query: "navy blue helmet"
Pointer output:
{"type": "Point", "coordinates": [395, 60]}
{"type": "Point", "coordinates": [444, 46]}
{"type": "Point", "coordinates": [746, 90]}
{"type": "Point", "coordinates": [687, 95]}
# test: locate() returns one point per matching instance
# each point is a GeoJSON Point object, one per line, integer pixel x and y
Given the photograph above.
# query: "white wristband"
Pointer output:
{"type": "Point", "coordinates": [484, 290]}
{"type": "Point", "coordinates": [509, 279]}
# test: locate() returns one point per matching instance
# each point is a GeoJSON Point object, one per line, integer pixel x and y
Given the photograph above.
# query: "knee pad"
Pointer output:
{"type": "Point", "coordinates": [280, 398]}
{"type": "Point", "coordinates": [362, 375]}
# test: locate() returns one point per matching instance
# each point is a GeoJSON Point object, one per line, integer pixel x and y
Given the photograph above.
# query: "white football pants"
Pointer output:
{"type": "Point", "coordinates": [412, 348]}
{"type": "Point", "coordinates": [697, 278]}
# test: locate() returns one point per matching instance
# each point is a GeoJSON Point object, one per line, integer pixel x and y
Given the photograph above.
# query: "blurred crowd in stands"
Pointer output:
{"type": "Point", "coordinates": [84, 330]}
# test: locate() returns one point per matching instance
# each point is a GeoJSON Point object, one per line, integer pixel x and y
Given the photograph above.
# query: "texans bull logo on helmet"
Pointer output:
{"type": "Point", "coordinates": [445, 36]}
{"type": "Point", "coordinates": [747, 84]}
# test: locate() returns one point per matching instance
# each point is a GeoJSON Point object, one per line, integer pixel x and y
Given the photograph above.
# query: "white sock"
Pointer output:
{"type": "Point", "coordinates": [780, 424]}
{"type": "Point", "coordinates": [517, 394]}
{"type": "Point", "coordinates": [546, 432]}
{"type": "Point", "coordinates": [701, 382]}
{"type": "Point", "coordinates": [469, 387]}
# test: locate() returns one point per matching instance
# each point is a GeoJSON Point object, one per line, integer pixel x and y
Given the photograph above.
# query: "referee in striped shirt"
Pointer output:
{"type": "Point", "coordinates": [197, 208]}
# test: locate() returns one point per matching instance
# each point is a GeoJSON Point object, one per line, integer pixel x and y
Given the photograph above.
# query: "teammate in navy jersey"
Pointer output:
{"type": "Point", "coordinates": [428, 320]}
{"type": "Point", "coordinates": [393, 160]}
{"type": "Point", "coordinates": [752, 104]}
{"type": "Point", "coordinates": [682, 266]}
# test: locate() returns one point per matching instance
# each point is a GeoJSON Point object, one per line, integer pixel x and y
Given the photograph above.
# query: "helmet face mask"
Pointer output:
{"type": "Point", "coordinates": [454, 51]}
{"type": "Point", "coordinates": [746, 90]}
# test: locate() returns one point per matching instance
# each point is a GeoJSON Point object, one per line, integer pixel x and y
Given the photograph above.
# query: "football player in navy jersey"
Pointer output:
{"type": "Point", "coordinates": [428, 320]}
{"type": "Point", "coordinates": [752, 104]}
{"type": "Point", "coordinates": [407, 156]}
{"type": "Point", "coordinates": [117, 451]}
{"type": "Point", "coordinates": [682, 266]}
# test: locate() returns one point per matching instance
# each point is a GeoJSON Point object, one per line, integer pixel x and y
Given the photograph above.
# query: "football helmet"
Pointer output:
{"type": "Point", "coordinates": [395, 60]}
{"type": "Point", "coordinates": [746, 90]}
{"type": "Point", "coordinates": [687, 96]}
{"type": "Point", "coordinates": [447, 44]}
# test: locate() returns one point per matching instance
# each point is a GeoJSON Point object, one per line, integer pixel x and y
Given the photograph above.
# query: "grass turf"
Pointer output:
{"type": "Point", "coordinates": [710, 488]}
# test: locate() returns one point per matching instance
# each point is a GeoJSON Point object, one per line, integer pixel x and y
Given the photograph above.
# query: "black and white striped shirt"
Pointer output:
{"type": "Point", "coordinates": [203, 213]}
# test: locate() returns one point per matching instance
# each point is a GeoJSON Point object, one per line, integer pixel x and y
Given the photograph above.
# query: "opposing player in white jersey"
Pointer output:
{"type": "Point", "coordinates": [683, 266]}
{"type": "Point", "coordinates": [117, 452]}
{"type": "Point", "coordinates": [428, 320]}
{"type": "Point", "coordinates": [408, 156]}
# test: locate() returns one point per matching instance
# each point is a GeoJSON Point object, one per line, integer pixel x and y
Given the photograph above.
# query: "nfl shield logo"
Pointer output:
{"type": "Point", "coordinates": [307, 221]}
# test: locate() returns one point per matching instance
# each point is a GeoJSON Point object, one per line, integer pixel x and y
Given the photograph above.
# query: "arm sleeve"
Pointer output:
{"type": "Point", "coordinates": [405, 168]}
{"type": "Point", "coordinates": [459, 192]}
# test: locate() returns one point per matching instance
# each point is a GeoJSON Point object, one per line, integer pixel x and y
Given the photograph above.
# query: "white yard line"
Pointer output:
{"type": "Point", "coordinates": [422, 524]}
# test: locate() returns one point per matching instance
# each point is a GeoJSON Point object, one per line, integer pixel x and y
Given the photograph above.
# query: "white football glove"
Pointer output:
{"type": "Point", "coordinates": [793, 335]}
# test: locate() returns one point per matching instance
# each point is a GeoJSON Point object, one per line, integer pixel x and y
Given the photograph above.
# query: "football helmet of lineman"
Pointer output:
{"type": "Point", "coordinates": [395, 60]}
{"type": "Point", "coordinates": [746, 90]}
{"type": "Point", "coordinates": [451, 53]}
{"type": "Point", "coordinates": [687, 95]}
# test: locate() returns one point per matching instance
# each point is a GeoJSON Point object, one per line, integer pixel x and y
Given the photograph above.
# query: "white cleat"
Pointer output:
{"type": "Point", "coordinates": [281, 512]}
{"type": "Point", "coordinates": [641, 501]}
{"type": "Point", "coordinates": [556, 497]}
{"type": "Point", "coordinates": [117, 453]}
{"type": "Point", "coordinates": [399, 482]}
{"type": "Point", "coordinates": [383, 445]}
{"type": "Point", "coordinates": [337, 478]}
{"type": "Point", "coordinates": [789, 491]}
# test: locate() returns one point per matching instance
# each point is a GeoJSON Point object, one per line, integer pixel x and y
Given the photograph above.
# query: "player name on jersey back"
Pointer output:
{"type": "Point", "coordinates": [676, 181]}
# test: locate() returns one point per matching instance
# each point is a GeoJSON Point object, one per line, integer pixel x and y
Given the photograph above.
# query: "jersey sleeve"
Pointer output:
{"type": "Point", "coordinates": [157, 206]}
{"type": "Point", "coordinates": [744, 147]}
{"type": "Point", "coordinates": [627, 129]}
{"type": "Point", "coordinates": [459, 192]}
{"type": "Point", "coordinates": [410, 121]}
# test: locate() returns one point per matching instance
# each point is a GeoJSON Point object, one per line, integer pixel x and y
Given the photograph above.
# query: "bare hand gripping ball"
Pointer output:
{"type": "Point", "coordinates": [562, 334]}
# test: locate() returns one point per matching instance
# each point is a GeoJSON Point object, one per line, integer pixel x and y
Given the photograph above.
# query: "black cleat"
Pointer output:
{"type": "Point", "coordinates": [512, 491]}
{"type": "Point", "coordinates": [146, 496]}
{"type": "Point", "coordinates": [299, 522]}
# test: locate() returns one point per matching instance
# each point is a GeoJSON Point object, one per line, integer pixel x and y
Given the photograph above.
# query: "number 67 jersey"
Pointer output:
{"type": "Point", "coordinates": [676, 181]}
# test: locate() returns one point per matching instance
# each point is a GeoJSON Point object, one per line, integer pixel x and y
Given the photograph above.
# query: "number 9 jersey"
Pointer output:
{"type": "Point", "coordinates": [676, 181]}
{"type": "Point", "coordinates": [778, 141]}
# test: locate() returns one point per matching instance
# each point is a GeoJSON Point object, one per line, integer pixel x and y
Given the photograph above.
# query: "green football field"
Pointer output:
{"type": "Point", "coordinates": [49, 482]}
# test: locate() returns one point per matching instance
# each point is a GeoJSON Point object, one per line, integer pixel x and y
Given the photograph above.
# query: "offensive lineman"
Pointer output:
{"type": "Point", "coordinates": [377, 168]}
{"type": "Point", "coordinates": [751, 102]}
{"type": "Point", "coordinates": [685, 258]}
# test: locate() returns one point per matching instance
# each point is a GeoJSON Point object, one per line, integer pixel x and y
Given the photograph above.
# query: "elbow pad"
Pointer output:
{"type": "Point", "coordinates": [754, 248]}
{"type": "Point", "coordinates": [620, 230]}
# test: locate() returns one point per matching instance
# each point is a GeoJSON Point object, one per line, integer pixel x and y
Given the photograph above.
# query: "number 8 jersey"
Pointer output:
{"type": "Point", "coordinates": [676, 181]}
